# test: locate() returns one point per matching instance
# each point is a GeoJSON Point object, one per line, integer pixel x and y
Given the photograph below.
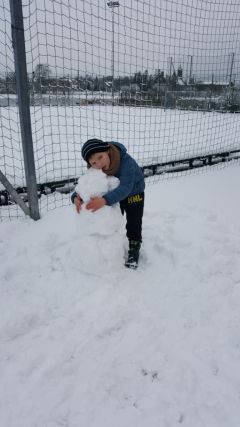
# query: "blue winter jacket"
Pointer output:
{"type": "Point", "coordinates": [130, 176]}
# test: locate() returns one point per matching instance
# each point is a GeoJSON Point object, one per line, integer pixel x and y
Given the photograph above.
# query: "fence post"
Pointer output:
{"type": "Point", "coordinates": [13, 193]}
{"type": "Point", "coordinates": [24, 105]}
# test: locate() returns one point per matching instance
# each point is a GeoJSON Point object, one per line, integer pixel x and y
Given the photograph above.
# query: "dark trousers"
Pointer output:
{"type": "Point", "coordinates": [133, 206]}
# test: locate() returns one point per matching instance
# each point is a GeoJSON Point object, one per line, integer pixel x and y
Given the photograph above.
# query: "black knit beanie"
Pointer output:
{"type": "Point", "coordinates": [93, 146]}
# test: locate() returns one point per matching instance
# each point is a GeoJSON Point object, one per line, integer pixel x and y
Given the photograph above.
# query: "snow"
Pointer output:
{"type": "Point", "coordinates": [151, 135]}
{"type": "Point", "coordinates": [95, 183]}
{"type": "Point", "coordinates": [101, 232]}
{"type": "Point", "coordinates": [158, 347]}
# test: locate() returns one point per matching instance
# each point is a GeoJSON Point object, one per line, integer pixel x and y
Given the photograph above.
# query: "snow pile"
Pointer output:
{"type": "Point", "coordinates": [99, 238]}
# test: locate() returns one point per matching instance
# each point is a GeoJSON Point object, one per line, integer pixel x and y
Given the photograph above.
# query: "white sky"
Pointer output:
{"type": "Point", "coordinates": [72, 35]}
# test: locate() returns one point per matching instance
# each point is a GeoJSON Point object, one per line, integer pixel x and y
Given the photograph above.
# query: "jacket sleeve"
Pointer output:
{"type": "Point", "coordinates": [73, 196]}
{"type": "Point", "coordinates": [127, 179]}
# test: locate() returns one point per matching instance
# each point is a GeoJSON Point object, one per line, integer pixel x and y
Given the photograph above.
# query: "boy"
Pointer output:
{"type": "Point", "coordinates": [113, 159]}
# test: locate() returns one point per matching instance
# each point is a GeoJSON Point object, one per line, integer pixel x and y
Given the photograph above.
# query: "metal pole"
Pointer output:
{"type": "Point", "coordinates": [24, 105]}
{"type": "Point", "coordinates": [112, 5]}
{"type": "Point", "coordinates": [170, 67]}
{"type": "Point", "coordinates": [112, 55]}
{"type": "Point", "coordinates": [14, 194]}
{"type": "Point", "coordinates": [231, 69]}
{"type": "Point", "coordinates": [190, 72]}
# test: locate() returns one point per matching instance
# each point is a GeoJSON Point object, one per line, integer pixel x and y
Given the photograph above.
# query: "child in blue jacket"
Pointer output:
{"type": "Point", "coordinates": [113, 159]}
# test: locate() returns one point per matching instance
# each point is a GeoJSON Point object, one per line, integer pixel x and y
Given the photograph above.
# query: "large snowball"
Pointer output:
{"type": "Point", "coordinates": [99, 244]}
{"type": "Point", "coordinates": [95, 183]}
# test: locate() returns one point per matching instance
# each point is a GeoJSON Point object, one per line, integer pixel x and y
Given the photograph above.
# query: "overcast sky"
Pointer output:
{"type": "Point", "coordinates": [76, 36]}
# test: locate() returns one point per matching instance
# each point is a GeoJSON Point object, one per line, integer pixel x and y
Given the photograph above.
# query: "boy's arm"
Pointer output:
{"type": "Point", "coordinates": [75, 194]}
{"type": "Point", "coordinates": [77, 200]}
{"type": "Point", "coordinates": [125, 186]}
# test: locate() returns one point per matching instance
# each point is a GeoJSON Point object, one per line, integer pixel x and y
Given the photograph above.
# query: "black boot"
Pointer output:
{"type": "Point", "coordinates": [133, 254]}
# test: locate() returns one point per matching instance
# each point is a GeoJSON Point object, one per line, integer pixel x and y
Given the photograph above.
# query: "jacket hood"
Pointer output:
{"type": "Point", "coordinates": [120, 146]}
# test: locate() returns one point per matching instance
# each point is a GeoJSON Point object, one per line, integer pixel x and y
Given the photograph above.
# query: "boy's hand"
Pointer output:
{"type": "Point", "coordinates": [77, 203]}
{"type": "Point", "coordinates": [95, 203]}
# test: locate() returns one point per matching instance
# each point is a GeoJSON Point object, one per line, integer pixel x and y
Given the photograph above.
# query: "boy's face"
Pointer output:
{"type": "Point", "coordinates": [100, 160]}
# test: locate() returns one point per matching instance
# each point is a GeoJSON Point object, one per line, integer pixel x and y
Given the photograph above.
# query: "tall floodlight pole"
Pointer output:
{"type": "Point", "coordinates": [231, 69]}
{"type": "Point", "coordinates": [190, 71]}
{"type": "Point", "coordinates": [112, 5]}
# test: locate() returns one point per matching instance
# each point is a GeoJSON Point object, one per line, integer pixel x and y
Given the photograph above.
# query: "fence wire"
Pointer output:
{"type": "Point", "coordinates": [161, 77]}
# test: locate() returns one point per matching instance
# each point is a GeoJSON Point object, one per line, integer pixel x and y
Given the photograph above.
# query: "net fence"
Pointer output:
{"type": "Point", "coordinates": [161, 77]}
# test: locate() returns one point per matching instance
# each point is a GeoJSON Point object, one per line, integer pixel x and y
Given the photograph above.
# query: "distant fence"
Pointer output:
{"type": "Point", "coordinates": [161, 77]}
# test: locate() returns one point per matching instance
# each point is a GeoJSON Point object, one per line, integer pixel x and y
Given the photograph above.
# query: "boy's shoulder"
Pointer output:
{"type": "Point", "coordinates": [126, 160]}
{"type": "Point", "coordinates": [120, 146]}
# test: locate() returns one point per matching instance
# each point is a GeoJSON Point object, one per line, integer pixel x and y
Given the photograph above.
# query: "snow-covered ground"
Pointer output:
{"type": "Point", "coordinates": [152, 135]}
{"type": "Point", "coordinates": [157, 347]}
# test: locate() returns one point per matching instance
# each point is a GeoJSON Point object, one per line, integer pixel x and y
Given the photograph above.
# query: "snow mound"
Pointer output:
{"type": "Point", "coordinates": [99, 244]}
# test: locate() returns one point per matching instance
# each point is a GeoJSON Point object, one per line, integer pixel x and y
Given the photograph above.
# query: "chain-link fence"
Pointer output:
{"type": "Point", "coordinates": [160, 77]}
